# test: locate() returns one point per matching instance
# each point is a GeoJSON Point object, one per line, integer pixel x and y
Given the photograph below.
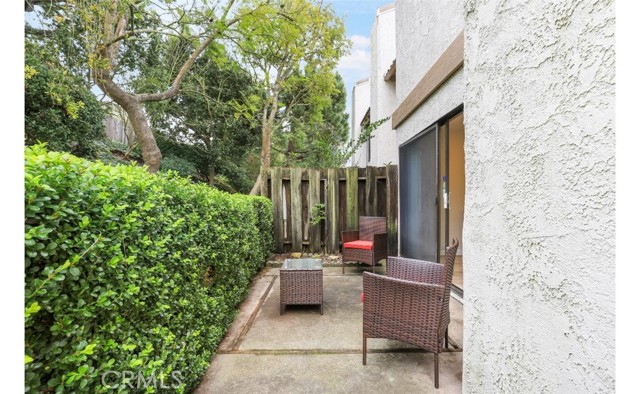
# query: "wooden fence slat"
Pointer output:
{"type": "Point", "coordinates": [352, 198]}
{"type": "Point", "coordinates": [371, 194]}
{"type": "Point", "coordinates": [314, 199]}
{"type": "Point", "coordinates": [276, 198]}
{"type": "Point", "coordinates": [286, 196]}
{"type": "Point", "coordinates": [342, 200]}
{"type": "Point", "coordinates": [392, 210]}
{"type": "Point", "coordinates": [305, 207]}
{"type": "Point", "coordinates": [347, 193]}
{"type": "Point", "coordinates": [296, 209]}
{"type": "Point", "coordinates": [333, 216]}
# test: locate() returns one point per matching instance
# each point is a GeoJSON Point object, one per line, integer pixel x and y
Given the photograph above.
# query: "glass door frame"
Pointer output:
{"type": "Point", "coordinates": [441, 124]}
{"type": "Point", "coordinates": [443, 128]}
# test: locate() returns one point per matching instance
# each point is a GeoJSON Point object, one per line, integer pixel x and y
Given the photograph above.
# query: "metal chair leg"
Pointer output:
{"type": "Point", "coordinates": [436, 372]}
{"type": "Point", "coordinates": [446, 338]}
{"type": "Point", "coordinates": [364, 350]}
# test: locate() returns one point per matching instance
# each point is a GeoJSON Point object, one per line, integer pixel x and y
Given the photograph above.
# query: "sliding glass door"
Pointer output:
{"type": "Point", "coordinates": [432, 192]}
{"type": "Point", "coordinates": [419, 196]}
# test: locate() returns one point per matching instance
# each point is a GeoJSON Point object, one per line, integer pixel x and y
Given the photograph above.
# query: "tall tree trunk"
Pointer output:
{"type": "Point", "coordinates": [115, 25]}
{"type": "Point", "coordinates": [133, 107]}
{"type": "Point", "coordinates": [150, 151]}
{"type": "Point", "coordinates": [268, 120]}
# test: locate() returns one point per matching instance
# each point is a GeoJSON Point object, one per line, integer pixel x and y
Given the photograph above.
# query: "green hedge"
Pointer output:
{"type": "Point", "coordinates": [127, 271]}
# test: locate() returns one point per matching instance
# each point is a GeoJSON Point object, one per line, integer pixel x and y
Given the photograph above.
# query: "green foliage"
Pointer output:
{"type": "Point", "coordinates": [292, 48]}
{"type": "Point", "coordinates": [127, 271]}
{"type": "Point", "coordinates": [59, 108]}
{"type": "Point", "coordinates": [183, 167]}
{"type": "Point", "coordinates": [365, 134]}
{"type": "Point", "coordinates": [202, 124]}
{"type": "Point", "coordinates": [318, 213]}
{"type": "Point", "coordinates": [314, 140]}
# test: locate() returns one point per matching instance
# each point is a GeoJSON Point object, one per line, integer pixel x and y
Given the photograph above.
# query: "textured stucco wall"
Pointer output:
{"type": "Point", "coordinates": [384, 148]}
{"type": "Point", "coordinates": [539, 216]}
{"type": "Point", "coordinates": [425, 29]}
{"type": "Point", "coordinates": [360, 98]}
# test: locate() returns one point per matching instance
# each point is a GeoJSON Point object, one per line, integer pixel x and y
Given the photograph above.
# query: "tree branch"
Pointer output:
{"type": "Point", "coordinates": [175, 86]}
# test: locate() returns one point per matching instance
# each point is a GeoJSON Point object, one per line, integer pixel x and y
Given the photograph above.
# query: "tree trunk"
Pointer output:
{"type": "Point", "coordinates": [139, 122]}
{"type": "Point", "coordinates": [256, 186]}
{"type": "Point", "coordinates": [150, 151]}
{"type": "Point", "coordinates": [268, 120]}
{"type": "Point", "coordinates": [115, 25]}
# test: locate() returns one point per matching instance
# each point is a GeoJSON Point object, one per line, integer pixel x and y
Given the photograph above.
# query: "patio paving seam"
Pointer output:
{"type": "Point", "coordinates": [259, 352]}
{"type": "Point", "coordinates": [247, 327]}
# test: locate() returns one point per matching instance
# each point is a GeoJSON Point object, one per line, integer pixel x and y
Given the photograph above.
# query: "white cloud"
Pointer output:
{"type": "Point", "coordinates": [356, 65]}
{"type": "Point", "coordinates": [359, 59]}
{"type": "Point", "coordinates": [360, 41]}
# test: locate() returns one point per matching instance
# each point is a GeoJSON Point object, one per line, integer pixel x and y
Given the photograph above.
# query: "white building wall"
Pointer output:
{"type": "Point", "coordinates": [540, 197]}
{"type": "Point", "coordinates": [360, 104]}
{"type": "Point", "coordinates": [425, 29]}
{"type": "Point", "coordinates": [384, 148]}
{"type": "Point", "coordinates": [538, 89]}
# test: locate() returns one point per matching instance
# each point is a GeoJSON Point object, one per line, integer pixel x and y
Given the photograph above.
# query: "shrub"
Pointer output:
{"type": "Point", "coordinates": [59, 108]}
{"type": "Point", "coordinates": [127, 271]}
{"type": "Point", "coordinates": [183, 167]}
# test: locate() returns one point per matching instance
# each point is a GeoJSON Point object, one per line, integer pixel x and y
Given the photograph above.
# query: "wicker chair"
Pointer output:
{"type": "Point", "coordinates": [410, 304]}
{"type": "Point", "coordinates": [368, 244]}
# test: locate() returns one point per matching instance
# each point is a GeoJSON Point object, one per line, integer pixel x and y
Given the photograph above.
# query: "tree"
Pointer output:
{"type": "Point", "coordinates": [290, 43]}
{"type": "Point", "coordinates": [314, 140]}
{"type": "Point", "coordinates": [202, 121]}
{"type": "Point", "coordinates": [116, 34]}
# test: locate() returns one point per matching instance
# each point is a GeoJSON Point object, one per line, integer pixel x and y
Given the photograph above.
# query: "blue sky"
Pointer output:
{"type": "Point", "coordinates": [358, 16]}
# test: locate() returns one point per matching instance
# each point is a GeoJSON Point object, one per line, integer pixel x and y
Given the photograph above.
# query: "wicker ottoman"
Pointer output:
{"type": "Point", "coordinates": [301, 283]}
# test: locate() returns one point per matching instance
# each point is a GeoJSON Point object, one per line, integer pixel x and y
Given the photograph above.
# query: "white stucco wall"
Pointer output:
{"type": "Point", "coordinates": [425, 29]}
{"type": "Point", "coordinates": [384, 148]}
{"type": "Point", "coordinates": [540, 194]}
{"type": "Point", "coordinates": [360, 103]}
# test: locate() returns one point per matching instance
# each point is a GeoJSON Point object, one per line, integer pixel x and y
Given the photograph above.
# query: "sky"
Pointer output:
{"type": "Point", "coordinates": [358, 16]}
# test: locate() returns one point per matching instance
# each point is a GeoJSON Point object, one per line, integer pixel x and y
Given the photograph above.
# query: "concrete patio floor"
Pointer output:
{"type": "Point", "coordinates": [305, 352]}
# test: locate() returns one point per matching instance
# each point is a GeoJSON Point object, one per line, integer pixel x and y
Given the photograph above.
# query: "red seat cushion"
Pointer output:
{"type": "Point", "coordinates": [366, 245]}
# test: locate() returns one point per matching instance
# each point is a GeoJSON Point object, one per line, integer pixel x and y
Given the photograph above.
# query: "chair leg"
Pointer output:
{"type": "Point", "coordinates": [436, 372]}
{"type": "Point", "coordinates": [364, 350]}
{"type": "Point", "coordinates": [446, 338]}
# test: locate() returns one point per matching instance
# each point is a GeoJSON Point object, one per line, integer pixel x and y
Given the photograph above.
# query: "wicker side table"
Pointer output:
{"type": "Point", "coordinates": [301, 283]}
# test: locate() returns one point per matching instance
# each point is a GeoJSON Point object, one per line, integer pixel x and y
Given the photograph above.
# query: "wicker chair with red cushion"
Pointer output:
{"type": "Point", "coordinates": [368, 244]}
{"type": "Point", "coordinates": [410, 304]}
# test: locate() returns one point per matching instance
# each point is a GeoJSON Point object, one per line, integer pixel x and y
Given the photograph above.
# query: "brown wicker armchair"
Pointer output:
{"type": "Point", "coordinates": [410, 304]}
{"type": "Point", "coordinates": [368, 244]}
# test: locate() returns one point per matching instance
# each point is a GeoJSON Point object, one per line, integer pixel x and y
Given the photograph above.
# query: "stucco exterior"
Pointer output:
{"type": "Point", "coordinates": [360, 104]}
{"type": "Point", "coordinates": [538, 89]}
{"type": "Point", "coordinates": [540, 195]}
{"type": "Point", "coordinates": [384, 148]}
{"type": "Point", "coordinates": [420, 42]}
{"type": "Point", "coordinates": [538, 92]}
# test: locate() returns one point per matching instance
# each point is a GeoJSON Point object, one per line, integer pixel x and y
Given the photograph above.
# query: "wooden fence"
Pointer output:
{"type": "Point", "coordinates": [346, 193]}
